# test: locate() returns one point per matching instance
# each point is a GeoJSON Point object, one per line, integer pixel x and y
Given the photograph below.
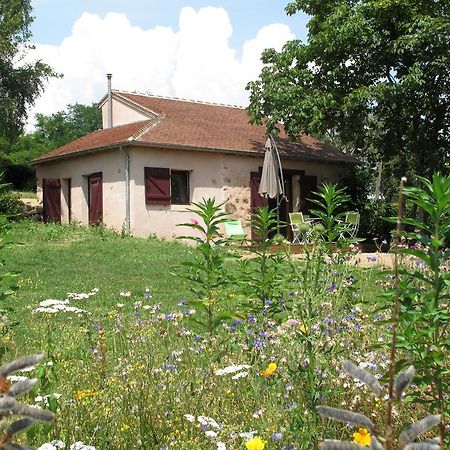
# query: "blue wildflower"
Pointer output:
{"type": "Point", "coordinates": [277, 436]}
{"type": "Point", "coordinates": [257, 344]}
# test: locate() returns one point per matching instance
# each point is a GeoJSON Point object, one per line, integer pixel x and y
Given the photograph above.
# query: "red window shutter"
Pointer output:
{"type": "Point", "coordinates": [157, 186]}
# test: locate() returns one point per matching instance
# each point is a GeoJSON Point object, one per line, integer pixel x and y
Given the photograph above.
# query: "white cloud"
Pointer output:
{"type": "Point", "coordinates": [194, 62]}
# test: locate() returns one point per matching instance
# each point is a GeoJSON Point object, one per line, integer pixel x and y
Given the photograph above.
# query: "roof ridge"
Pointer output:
{"type": "Point", "coordinates": [152, 123]}
{"type": "Point", "coordinates": [178, 99]}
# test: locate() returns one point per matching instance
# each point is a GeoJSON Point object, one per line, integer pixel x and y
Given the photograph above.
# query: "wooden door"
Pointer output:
{"type": "Point", "coordinates": [69, 200]}
{"type": "Point", "coordinates": [256, 200]}
{"type": "Point", "coordinates": [285, 206]}
{"type": "Point", "coordinates": [52, 199]}
{"type": "Point", "coordinates": [308, 184]}
{"type": "Point", "coordinates": [95, 198]}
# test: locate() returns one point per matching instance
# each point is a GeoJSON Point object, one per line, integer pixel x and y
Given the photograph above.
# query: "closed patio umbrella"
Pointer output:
{"type": "Point", "coordinates": [272, 184]}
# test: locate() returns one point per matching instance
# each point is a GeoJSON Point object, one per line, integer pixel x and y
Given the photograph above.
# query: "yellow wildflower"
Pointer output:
{"type": "Point", "coordinates": [255, 444]}
{"type": "Point", "coordinates": [269, 371]}
{"type": "Point", "coordinates": [124, 427]}
{"type": "Point", "coordinates": [303, 329]}
{"type": "Point", "coordinates": [82, 394]}
{"type": "Point", "coordinates": [362, 437]}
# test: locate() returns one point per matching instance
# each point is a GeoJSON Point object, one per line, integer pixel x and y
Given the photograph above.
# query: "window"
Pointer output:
{"type": "Point", "coordinates": [165, 187]}
{"type": "Point", "coordinates": [179, 187]}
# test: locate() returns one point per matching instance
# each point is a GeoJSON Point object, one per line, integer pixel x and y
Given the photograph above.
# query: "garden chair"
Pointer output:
{"type": "Point", "coordinates": [351, 223]}
{"type": "Point", "coordinates": [234, 230]}
{"type": "Point", "coordinates": [301, 227]}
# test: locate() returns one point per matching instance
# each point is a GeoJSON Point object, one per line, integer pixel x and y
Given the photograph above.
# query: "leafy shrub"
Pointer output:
{"type": "Point", "coordinates": [373, 225]}
{"type": "Point", "coordinates": [9, 202]}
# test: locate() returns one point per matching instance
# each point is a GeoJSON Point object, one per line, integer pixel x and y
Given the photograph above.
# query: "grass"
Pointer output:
{"type": "Point", "coordinates": [26, 194]}
{"type": "Point", "coordinates": [136, 376]}
{"type": "Point", "coordinates": [57, 259]}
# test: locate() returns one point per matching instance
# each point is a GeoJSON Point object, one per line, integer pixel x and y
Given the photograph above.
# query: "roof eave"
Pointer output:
{"type": "Point", "coordinates": [88, 151]}
{"type": "Point", "coordinates": [254, 153]}
{"type": "Point", "coordinates": [227, 151]}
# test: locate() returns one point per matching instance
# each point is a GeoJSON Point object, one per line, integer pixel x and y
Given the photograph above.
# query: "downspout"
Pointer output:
{"type": "Point", "coordinates": [127, 190]}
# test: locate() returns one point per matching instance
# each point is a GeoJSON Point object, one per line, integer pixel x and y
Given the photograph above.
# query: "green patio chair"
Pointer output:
{"type": "Point", "coordinates": [351, 222]}
{"type": "Point", "coordinates": [301, 227]}
{"type": "Point", "coordinates": [234, 230]}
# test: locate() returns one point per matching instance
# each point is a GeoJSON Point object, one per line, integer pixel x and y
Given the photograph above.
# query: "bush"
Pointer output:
{"type": "Point", "coordinates": [372, 225]}
{"type": "Point", "coordinates": [9, 202]}
{"type": "Point", "coordinates": [21, 176]}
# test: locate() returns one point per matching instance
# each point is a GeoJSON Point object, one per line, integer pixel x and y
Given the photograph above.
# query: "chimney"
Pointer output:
{"type": "Point", "coordinates": [110, 121]}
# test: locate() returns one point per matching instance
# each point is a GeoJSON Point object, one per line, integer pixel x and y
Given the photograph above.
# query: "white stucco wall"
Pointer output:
{"type": "Point", "coordinates": [224, 177]}
{"type": "Point", "coordinates": [110, 163]}
{"type": "Point", "coordinates": [205, 180]}
{"type": "Point", "coordinates": [122, 114]}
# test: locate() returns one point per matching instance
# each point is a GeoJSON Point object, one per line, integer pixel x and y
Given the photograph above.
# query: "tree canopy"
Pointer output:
{"type": "Point", "coordinates": [65, 126]}
{"type": "Point", "coordinates": [374, 77]}
{"type": "Point", "coordinates": [51, 132]}
{"type": "Point", "coordinates": [21, 81]}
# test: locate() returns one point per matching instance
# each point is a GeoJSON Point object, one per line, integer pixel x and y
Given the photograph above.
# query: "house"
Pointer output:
{"type": "Point", "coordinates": [156, 155]}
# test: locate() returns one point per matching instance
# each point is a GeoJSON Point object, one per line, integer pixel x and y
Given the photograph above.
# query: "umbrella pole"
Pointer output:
{"type": "Point", "coordinates": [278, 214]}
{"type": "Point", "coordinates": [280, 174]}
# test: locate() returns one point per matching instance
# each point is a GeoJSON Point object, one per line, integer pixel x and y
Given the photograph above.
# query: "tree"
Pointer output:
{"type": "Point", "coordinates": [51, 132]}
{"type": "Point", "coordinates": [374, 78]}
{"type": "Point", "coordinates": [65, 126]}
{"type": "Point", "coordinates": [21, 81]}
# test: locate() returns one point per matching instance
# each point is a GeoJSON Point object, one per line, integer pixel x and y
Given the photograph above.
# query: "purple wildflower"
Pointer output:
{"type": "Point", "coordinates": [277, 436]}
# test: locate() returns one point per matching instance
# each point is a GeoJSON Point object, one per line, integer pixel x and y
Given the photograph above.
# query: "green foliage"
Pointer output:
{"type": "Point", "coordinates": [374, 227]}
{"type": "Point", "coordinates": [332, 202]}
{"type": "Point", "coordinates": [206, 271]}
{"type": "Point", "coordinates": [425, 314]}
{"type": "Point", "coordinates": [358, 186]}
{"type": "Point", "coordinates": [51, 132]}
{"type": "Point", "coordinates": [130, 370]}
{"type": "Point", "coordinates": [261, 279]}
{"type": "Point", "coordinates": [76, 256]}
{"type": "Point", "coordinates": [9, 204]}
{"type": "Point", "coordinates": [65, 126]}
{"type": "Point", "coordinates": [418, 312]}
{"type": "Point", "coordinates": [373, 78]}
{"type": "Point", "coordinates": [21, 82]}
{"type": "Point", "coordinates": [8, 279]}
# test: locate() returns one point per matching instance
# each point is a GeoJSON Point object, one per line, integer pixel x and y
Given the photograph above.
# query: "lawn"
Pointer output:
{"type": "Point", "coordinates": [137, 370]}
{"type": "Point", "coordinates": [55, 260]}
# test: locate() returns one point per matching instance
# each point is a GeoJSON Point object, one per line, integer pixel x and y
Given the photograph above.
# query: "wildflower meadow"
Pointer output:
{"type": "Point", "coordinates": [206, 344]}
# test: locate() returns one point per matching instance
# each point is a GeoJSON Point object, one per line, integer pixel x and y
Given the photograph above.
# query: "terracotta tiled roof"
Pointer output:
{"type": "Point", "coordinates": [197, 125]}
{"type": "Point", "coordinates": [98, 139]}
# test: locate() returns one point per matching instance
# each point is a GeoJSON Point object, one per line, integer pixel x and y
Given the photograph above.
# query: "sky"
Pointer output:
{"type": "Point", "coordinates": [196, 49]}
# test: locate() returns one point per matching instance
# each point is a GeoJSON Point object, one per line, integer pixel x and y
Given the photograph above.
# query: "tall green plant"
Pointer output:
{"type": "Point", "coordinates": [206, 271]}
{"type": "Point", "coordinates": [262, 278]}
{"type": "Point", "coordinates": [8, 284]}
{"type": "Point", "coordinates": [314, 281]}
{"type": "Point", "coordinates": [425, 314]}
{"type": "Point", "coordinates": [331, 201]}
{"type": "Point", "coordinates": [397, 384]}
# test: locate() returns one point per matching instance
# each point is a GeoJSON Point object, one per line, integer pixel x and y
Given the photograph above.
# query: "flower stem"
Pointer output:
{"type": "Point", "coordinates": [395, 314]}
